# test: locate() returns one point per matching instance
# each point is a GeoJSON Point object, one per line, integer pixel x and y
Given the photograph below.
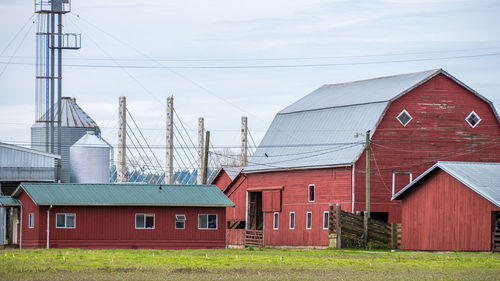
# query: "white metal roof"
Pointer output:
{"type": "Point", "coordinates": [71, 115]}
{"type": "Point", "coordinates": [318, 130]}
{"type": "Point", "coordinates": [90, 139]}
{"type": "Point", "coordinates": [482, 178]}
{"type": "Point", "coordinates": [28, 150]}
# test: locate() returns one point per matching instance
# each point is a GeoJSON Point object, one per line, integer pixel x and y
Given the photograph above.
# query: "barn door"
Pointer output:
{"type": "Point", "coordinates": [496, 232]}
{"type": "Point", "coordinates": [255, 215]}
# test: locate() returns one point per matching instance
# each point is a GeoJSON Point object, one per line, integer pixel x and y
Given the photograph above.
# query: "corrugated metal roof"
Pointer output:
{"type": "Point", "coordinates": [9, 201]}
{"type": "Point", "coordinates": [90, 139]}
{"type": "Point", "coordinates": [71, 115]}
{"type": "Point", "coordinates": [315, 138]}
{"type": "Point", "coordinates": [232, 171]}
{"type": "Point", "coordinates": [125, 195]}
{"type": "Point", "coordinates": [483, 178]}
{"type": "Point", "coordinates": [22, 150]}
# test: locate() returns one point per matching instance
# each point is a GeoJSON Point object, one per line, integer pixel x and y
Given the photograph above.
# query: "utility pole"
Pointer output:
{"type": "Point", "coordinates": [201, 130]}
{"type": "Point", "coordinates": [169, 167]}
{"type": "Point", "coordinates": [244, 141]}
{"type": "Point", "coordinates": [205, 162]}
{"type": "Point", "coordinates": [367, 212]}
{"type": "Point", "coordinates": [122, 140]}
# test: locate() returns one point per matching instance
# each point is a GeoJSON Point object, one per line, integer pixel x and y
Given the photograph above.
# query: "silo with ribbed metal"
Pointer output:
{"type": "Point", "coordinates": [89, 159]}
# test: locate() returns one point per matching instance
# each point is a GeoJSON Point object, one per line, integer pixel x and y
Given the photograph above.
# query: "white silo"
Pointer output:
{"type": "Point", "coordinates": [89, 159]}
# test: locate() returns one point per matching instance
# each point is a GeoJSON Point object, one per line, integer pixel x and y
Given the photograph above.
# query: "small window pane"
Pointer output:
{"type": "Point", "coordinates": [179, 224]}
{"type": "Point", "coordinates": [31, 220]}
{"type": "Point", "coordinates": [150, 221]}
{"type": "Point", "coordinates": [70, 220]}
{"type": "Point", "coordinates": [309, 221]}
{"type": "Point", "coordinates": [212, 221]}
{"type": "Point", "coordinates": [473, 119]}
{"type": "Point", "coordinates": [292, 220]}
{"type": "Point", "coordinates": [311, 193]}
{"type": "Point", "coordinates": [60, 220]}
{"type": "Point", "coordinates": [139, 221]}
{"type": "Point", "coordinates": [404, 118]}
{"type": "Point", "coordinates": [202, 221]}
{"type": "Point", "coordinates": [325, 220]}
{"type": "Point", "coordinates": [276, 221]}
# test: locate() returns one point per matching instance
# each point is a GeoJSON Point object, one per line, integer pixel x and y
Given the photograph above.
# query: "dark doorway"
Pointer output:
{"type": "Point", "coordinates": [495, 236]}
{"type": "Point", "coordinates": [255, 215]}
{"type": "Point", "coordinates": [381, 216]}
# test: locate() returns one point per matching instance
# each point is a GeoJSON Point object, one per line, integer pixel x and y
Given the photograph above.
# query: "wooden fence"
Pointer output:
{"type": "Point", "coordinates": [347, 230]}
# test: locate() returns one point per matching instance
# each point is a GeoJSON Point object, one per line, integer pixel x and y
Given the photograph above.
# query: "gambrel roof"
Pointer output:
{"type": "Point", "coordinates": [319, 129]}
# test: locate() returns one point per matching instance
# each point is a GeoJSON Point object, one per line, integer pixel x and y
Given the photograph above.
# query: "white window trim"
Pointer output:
{"type": "Point", "coordinates": [401, 113]}
{"type": "Point", "coordinates": [394, 173]}
{"type": "Point", "coordinates": [307, 215]}
{"type": "Point", "coordinates": [479, 121]}
{"type": "Point", "coordinates": [290, 220]}
{"type": "Point", "coordinates": [31, 220]}
{"type": "Point", "coordinates": [65, 215]}
{"type": "Point", "coordinates": [216, 221]}
{"type": "Point", "coordinates": [276, 223]}
{"type": "Point", "coordinates": [144, 214]}
{"type": "Point", "coordinates": [184, 221]}
{"type": "Point", "coordinates": [309, 192]}
{"type": "Point", "coordinates": [327, 220]}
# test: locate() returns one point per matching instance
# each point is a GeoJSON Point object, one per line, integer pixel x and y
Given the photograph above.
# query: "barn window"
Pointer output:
{"type": "Point", "coordinates": [207, 221]}
{"type": "Point", "coordinates": [65, 220]}
{"type": "Point", "coordinates": [404, 117]}
{"type": "Point", "coordinates": [311, 192]}
{"type": "Point", "coordinates": [309, 216]}
{"type": "Point", "coordinates": [292, 220]}
{"type": "Point", "coordinates": [276, 220]}
{"type": "Point", "coordinates": [144, 221]}
{"type": "Point", "coordinates": [473, 119]}
{"type": "Point", "coordinates": [31, 220]}
{"type": "Point", "coordinates": [326, 218]}
{"type": "Point", "coordinates": [180, 221]}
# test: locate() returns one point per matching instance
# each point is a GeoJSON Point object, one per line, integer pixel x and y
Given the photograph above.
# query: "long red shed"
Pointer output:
{"type": "Point", "coordinates": [452, 206]}
{"type": "Point", "coordinates": [121, 216]}
{"type": "Point", "coordinates": [313, 154]}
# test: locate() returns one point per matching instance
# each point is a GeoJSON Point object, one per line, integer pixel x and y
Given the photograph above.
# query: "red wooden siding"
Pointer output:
{"type": "Point", "coordinates": [445, 215]}
{"type": "Point", "coordinates": [237, 194]}
{"type": "Point", "coordinates": [114, 227]}
{"type": "Point", "coordinates": [438, 131]}
{"type": "Point", "coordinates": [271, 200]}
{"type": "Point", "coordinates": [222, 180]}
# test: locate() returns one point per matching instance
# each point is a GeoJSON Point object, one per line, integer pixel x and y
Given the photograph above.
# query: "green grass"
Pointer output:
{"type": "Point", "coordinates": [80, 264]}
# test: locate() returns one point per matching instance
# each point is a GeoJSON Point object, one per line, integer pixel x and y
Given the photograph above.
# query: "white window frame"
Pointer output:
{"type": "Point", "coordinates": [309, 192]}
{"type": "Point", "coordinates": [65, 220]}
{"type": "Point", "coordinates": [307, 216]}
{"type": "Point", "coordinates": [180, 218]}
{"type": "Point", "coordinates": [401, 113]}
{"type": "Point", "coordinates": [31, 220]}
{"type": "Point", "coordinates": [276, 220]}
{"type": "Point", "coordinates": [208, 228]}
{"type": "Point", "coordinates": [144, 216]}
{"type": "Point", "coordinates": [290, 220]}
{"type": "Point", "coordinates": [479, 121]}
{"type": "Point", "coordinates": [327, 219]}
{"type": "Point", "coordinates": [394, 173]}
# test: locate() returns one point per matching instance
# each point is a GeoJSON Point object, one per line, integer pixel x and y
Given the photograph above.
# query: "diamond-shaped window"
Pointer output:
{"type": "Point", "coordinates": [473, 119]}
{"type": "Point", "coordinates": [404, 117]}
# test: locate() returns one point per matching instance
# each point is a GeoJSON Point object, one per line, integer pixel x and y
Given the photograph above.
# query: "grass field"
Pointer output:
{"type": "Point", "coordinates": [79, 264]}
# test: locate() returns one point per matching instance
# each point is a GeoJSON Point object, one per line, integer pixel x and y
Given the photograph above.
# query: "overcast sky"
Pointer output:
{"type": "Point", "coordinates": [352, 37]}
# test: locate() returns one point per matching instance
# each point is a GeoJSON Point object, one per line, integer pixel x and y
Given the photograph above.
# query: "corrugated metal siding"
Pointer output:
{"type": "Point", "coordinates": [18, 165]}
{"type": "Point", "coordinates": [125, 194]}
{"type": "Point", "coordinates": [315, 138]}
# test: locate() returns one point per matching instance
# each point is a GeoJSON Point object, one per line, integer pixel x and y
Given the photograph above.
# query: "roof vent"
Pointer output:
{"type": "Point", "coordinates": [404, 117]}
{"type": "Point", "coordinates": [473, 119]}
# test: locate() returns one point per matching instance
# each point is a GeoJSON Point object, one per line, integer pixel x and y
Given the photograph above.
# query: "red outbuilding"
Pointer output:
{"type": "Point", "coordinates": [452, 206]}
{"type": "Point", "coordinates": [121, 216]}
{"type": "Point", "coordinates": [313, 153]}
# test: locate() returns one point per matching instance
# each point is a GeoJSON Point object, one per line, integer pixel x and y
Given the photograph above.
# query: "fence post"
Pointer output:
{"type": "Point", "coordinates": [339, 226]}
{"type": "Point", "coordinates": [394, 236]}
{"type": "Point", "coordinates": [366, 228]}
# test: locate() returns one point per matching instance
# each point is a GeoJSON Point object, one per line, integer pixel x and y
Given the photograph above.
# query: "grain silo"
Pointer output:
{"type": "Point", "coordinates": [89, 159]}
{"type": "Point", "coordinates": [74, 125]}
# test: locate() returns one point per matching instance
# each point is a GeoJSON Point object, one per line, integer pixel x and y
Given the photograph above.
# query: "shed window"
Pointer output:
{"type": "Point", "coordinates": [65, 220]}
{"type": "Point", "coordinates": [207, 221]}
{"type": "Point", "coordinates": [292, 220]}
{"type": "Point", "coordinates": [473, 119]}
{"type": "Point", "coordinates": [31, 220]}
{"type": "Point", "coordinates": [144, 221]}
{"type": "Point", "coordinates": [276, 220]}
{"type": "Point", "coordinates": [180, 221]}
{"type": "Point", "coordinates": [404, 117]}
{"type": "Point", "coordinates": [326, 218]}
{"type": "Point", "coordinates": [311, 192]}
{"type": "Point", "coordinates": [309, 220]}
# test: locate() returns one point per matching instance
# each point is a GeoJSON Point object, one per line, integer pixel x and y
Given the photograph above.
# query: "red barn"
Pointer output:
{"type": "Point", "coordinates": [452, 206]}
{"type": "Point", "coordinates": [313, 153]}
{"type": "Point", "coordinates": [121, 216]}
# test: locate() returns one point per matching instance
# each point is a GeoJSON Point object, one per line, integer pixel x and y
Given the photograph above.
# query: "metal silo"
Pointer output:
{"type": "Point", "coordinates": [74, 125]}
{"type": "Point", "coordinates": [89, 160]}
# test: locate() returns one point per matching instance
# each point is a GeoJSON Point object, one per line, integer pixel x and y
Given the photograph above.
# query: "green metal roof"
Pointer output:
{"type": "Point", "coordinates": [64, 194]}
{"type": "Point", "coordinates": [9, 201]}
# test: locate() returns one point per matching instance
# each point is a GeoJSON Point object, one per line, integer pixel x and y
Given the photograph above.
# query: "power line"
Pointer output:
{"type": "Point", "coordinates": [17, 48]}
